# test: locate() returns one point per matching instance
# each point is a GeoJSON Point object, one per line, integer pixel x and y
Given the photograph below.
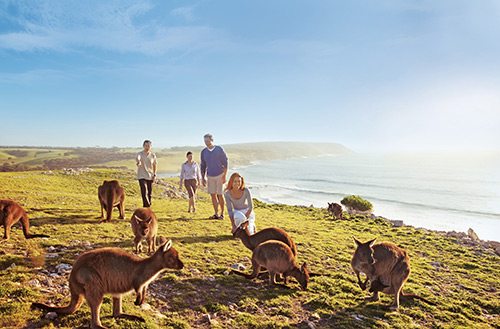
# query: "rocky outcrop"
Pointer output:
{"type": "Point", "coordinates": [170, 191]}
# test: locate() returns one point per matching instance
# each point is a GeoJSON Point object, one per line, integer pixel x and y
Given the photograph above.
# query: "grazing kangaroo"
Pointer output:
{"type": "Point", "coordinates": [386, 266]}
{"type": "Point", "coordinates": [335, 210]}
{"type": "Point", "coordinates": [145, 226]}
{"type": "Point", "coordinates": [278, 258]}
{"type": "Point", "coordinates": [270, 233]}
{"type": "Point", "coordinates": [10, 213]}
{"type": "Point", "coordinates": [111, 195]}
{"type": "Point", "coordinates": [115, 272]}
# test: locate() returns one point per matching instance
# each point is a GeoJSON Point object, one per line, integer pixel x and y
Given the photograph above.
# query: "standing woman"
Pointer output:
{"type": "Point", "coordinates": [239, 203]}
{"type": "Point", "coordinates": [190, 174]}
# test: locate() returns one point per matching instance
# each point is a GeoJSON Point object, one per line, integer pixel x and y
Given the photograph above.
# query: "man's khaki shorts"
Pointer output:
{"type": "Point", "coordinates": [214, 184]}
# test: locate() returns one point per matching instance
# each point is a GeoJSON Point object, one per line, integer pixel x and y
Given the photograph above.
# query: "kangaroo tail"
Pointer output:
{"type": "Point", "coordinates": [254, 274]}
{"type": "Point", "coordinates": [248, 276]}
{"type": "Point", "coordinates": [31, 236]}
{"type": "Point", "coordinates": [76, 301]}
{"type": "Point", "coordinates": [413, 296]}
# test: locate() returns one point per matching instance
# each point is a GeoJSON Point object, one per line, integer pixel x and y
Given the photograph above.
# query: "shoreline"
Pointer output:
{"type": "Point", "coordinates": [290, 191]}
{"type": "Point", "coordinates": [469, 238]}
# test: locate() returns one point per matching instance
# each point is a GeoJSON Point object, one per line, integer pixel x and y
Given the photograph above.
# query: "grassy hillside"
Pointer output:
{"type": "Point", "coordinates": [169, 160]}
{"type": "Point", "coordinates": [462, 280]}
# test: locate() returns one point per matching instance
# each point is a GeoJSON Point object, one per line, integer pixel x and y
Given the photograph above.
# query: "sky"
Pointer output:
{"type": "Point", "coordinates": [372, 75]}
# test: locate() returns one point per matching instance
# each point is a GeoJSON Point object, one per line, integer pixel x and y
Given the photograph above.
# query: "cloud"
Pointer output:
{"type": "Point", "coordinates": [122, 26]}
{"type": "Point", "coordinates": [185, 12]}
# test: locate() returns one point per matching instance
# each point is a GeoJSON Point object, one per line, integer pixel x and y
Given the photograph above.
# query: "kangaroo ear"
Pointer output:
{"type": "Point", "coordinates": [167, 246]}
{"type": "Point", "coordinates": [371, 242]}
{"type": "Point", "coordinates": [149, 220]}
{"type": "Point", "coordinates": [358, 243]}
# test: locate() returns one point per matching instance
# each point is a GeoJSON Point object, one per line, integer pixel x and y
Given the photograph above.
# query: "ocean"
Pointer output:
{"type": "Point", "coordinates": [435, 191]}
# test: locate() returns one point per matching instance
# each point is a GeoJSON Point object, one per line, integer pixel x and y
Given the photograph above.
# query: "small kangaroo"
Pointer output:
{"type": "Point", "coordinates": [115, 272]}
{"type": "Point", "coordinates": [111, 195]}
{"type": "Point", "coordinates": [145, 226]}
{"type": "Point", "coordinates": [10, 213]}
{"type": "Point", "coordinates": [335, 210]}
{"type": "Point", "coordinates": [278, 258]}
{"type": "Point", "coordinates": [386, 266]}
{"type": "Point", "coordinates": [270, 233]}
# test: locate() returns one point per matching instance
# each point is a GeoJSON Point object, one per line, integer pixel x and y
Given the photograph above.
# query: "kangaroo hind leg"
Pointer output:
{"type": "Point", "coordinates": [94, 300]}
{"type": "Point", "coordinates": [117, 311]}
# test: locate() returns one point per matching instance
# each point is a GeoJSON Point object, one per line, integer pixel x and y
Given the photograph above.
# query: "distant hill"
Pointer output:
{"type": "Point", "coordinates": [169, 160]}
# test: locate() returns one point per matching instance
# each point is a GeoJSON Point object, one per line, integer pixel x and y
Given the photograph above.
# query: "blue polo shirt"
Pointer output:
{"type": "Point", "coordinates": [214, 161]}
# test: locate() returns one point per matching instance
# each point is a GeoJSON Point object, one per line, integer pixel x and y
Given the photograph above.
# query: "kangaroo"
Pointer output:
{"type": "Point", "coordinates": [111, 195]}
{"type": "Point", "coordinates": [335, 210]}
{"type": "Point", "coordinates": [10, 213]}
{"type": "Point", "coordinates": [145, 226]}
{"type": "Point", "coordinates": [270, 233]}
{"type": "Point", "coordinates": [278, 258]}
{"type": "Point", "coordinates": [115, 272]}
{"type": "Point", "coordinates": [386, 266]}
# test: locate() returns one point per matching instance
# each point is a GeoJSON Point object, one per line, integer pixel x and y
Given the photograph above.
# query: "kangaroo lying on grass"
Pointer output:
{"type": "Point", "coordinates": [111, 195]}
{"type": "Point", "coordinates": [277, 257]}
{"type": "Point", "coordinates": [386, 266]}
{"type": "Point", "coordinates": [10, 213]}
{"type": "Point", "coordinates": [115, 272]}
{"type": "Point", "coordinates": [145, 226]}
{"type": "Point", "coordinates": [270, 233]}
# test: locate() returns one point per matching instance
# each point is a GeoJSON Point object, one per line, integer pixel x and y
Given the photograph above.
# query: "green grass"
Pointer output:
{"type": "Point", "coordinates": [466, 289]}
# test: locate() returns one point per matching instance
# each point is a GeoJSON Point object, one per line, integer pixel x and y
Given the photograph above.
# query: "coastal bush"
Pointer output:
{"type": "Point", "coordinates": [357, 203]}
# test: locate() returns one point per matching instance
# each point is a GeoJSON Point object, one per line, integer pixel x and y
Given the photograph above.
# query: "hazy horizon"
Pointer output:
{"type": "Point", "coordinates": [388, 152]}
{"type": "Point", "coordinates": [374, 76]}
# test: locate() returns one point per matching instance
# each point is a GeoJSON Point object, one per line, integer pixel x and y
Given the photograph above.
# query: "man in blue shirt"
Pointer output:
{"type": "Point", "coordinates": [214, 164]}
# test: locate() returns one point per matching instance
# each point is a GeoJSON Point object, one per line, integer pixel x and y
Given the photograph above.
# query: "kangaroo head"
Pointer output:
{"type": "Point", "coordinates": [170, 257]}
{"type": "Point", "coordinates": [144, 224]}
{"type": "Point", "coordinates": [364, 251]}
{"type": "Point", "coordinates": [241, 230]}
{"type": "Point", "coordinates": [305, 276]}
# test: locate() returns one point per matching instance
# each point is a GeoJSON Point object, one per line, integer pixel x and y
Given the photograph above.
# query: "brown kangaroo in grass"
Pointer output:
{"type": "Point", "coordinates": [145, 226]}
{"type": "Point", "coordinates": [386, 266]}
{"type": "Point", "coordinates": [115, 272]}
{"type": "Point", "coordinates": [10, 213]}
{"type": "Point", "coordinates": [335, 210]}
{"type": "Point", "coordinates": [278, 258]}
{"type": "Point", "coordinates": [270, 233]}
{"type": "Point", "coordinates": [111, 195]}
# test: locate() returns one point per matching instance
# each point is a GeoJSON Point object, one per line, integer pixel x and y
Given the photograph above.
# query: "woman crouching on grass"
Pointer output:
{"type": "Point", "coordinates": [239, 203]}
{"type": "Point", "coordinates": [190, 174]}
